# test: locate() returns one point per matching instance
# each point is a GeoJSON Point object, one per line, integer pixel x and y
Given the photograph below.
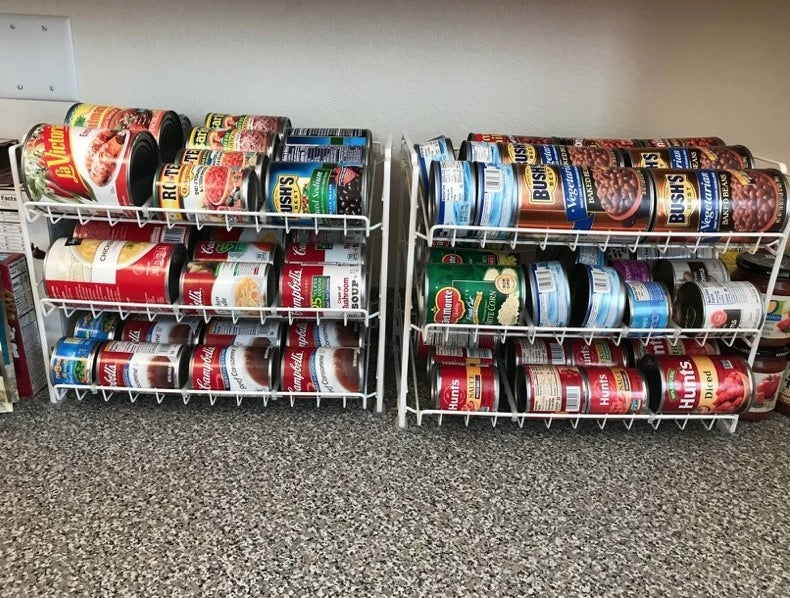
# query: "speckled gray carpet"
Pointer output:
{"type": "Point", "coordinates": [127, 499]}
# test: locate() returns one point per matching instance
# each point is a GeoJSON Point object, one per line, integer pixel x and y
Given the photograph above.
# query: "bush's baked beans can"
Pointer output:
{"type": "Point", "coordinates": [328, 333]}
{"type": "Point", "coordinates": [600, 142]}
{"type": "Point", "coordinates": [227, 285]}
{"type": "Point", "coordinates": [237, 251]}
{"type": "Point", "coordinates": [648, 305]}
{"type": "Point", "coordinates": [328, 136]}
{"type": "Point", "coordinates": [245, 234]}
{"type": "Point", "coordinates": [252, 122]}
{"type": "Point", "coordinates": [713, 158]}
{"type": "Point", "coordinates": [452, 196]}
{"type": "Point", "coordinates": [597, 298]}
{"type": "Point", "coordinates": [599, 352]}
{"type": "Point", "coordinates": [241, 369]}
{"type": "Point", "coordinates": [464, 388]}
{"type": "Point", "coordinates": [497, 197]}
{"type": "Point", "coordinates": [244, 333]}
{"type": "Point", "coordinates": [541, 351]}
{"type": "Point", "coordinates": [227, 159]}
{"type": "Point", "coordinates": [499, 138]}
{"type": "Point", "coordinates": [139, 329]}
{"type": "Point", "coordinates": [224, 191]}
{"type": "Point", "coordinates": [142, 365]}
{"type": "Point", "coordinates": [104, 326]}
{"type": "Point", "coordinates": [73, 361]}
{"type": "Point", "coordinates": [233, 140]}
{"type": "Point", "coordinates": [584, 198]}
{"type": "Point", "coordinates": [548, 294]}
{"type": "Point", "coordinates": [632, 270]}
{"type": "Point", "coordinates": [90, 166]}
{"type": "Point", "coordinates": [327, 236]}
{"type": "Point", "coordinates": [443, 355]}
{"type": "Point", "coordinates": [322, 369]}
{"type": "Point", "coordinates": [698, 383]}
{"type": "Point", "coordinates": [684, 142]}
{"type": "Point", "coordinates": [550, 389]}
{"type": "Point", "coordinates": [348, 155]}
{"type": "Point", "coordinates": [115, 271]}
{"type": "Point", "coordinates": [352, 254]}
{"type": "Point", "coordinates": [661, 346]}
{"type": "Point", "coordinates": [453, 339]}
{"type": "Point", "coordinates": [131, 231]}
{"type": "Point", "coordinates": [615, 391]}
{"type": "Point", "coordinates": [464, 294]}
{"type": "Point", "coordinates": [554, 155]}
{"type": "Point", "coordinates": [457, 255]}
{"type": "Point", "coordinates": [439, 149]}
{"type": "Point", "coordinates": [673, 273]}
{"type": "Point", "coordinates": [322, 286]}
{"type": "Point", "coordinates": [728, 305]}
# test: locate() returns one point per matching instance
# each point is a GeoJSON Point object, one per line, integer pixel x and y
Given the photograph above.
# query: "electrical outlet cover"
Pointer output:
{"type": "Point", "coordinates": [37, 58]}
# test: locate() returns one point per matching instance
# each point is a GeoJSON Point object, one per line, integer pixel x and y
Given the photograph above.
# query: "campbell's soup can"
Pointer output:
{"type": "Point", "coordinates": [237, 251]}
{"type": "Point", "coordinates": [322, 369]}
{"type": "Point", "coordinates": [328, 333]}
{"type": "Point", "coordinates": [245, 234]}
{"type": "Point", "coordinates": [442, 355]}
{"type": "Point", "coordinates": [728, 305]}
{"type": "Point", "coordinates": [244, 369]}
{"type": "Point", "coordinates": [139, 329]}
{"type": "Point", "coordinates": [447, 338]}
{"type": "Point", "coordinates": [698, 383]}
{"type": "Point", "coordinates": [660, 346]}
{"type": "Point", "coordinates": [88, 166]}
{"type": "Point", "coordinates": [163, 125]}
{"type": "Point", "coordinates": [351, 254]}
{"type": "Point", "coordinates": [539, 351]}
{"type": "Point", "coordinates": [205, 157]}
{"type": "Point", "coordinates": [233, 140]}
{"type": "Point", "coordinates": [225, 192]}
{"type": "Point", "coordinates": [615, 391]}
{"type": "Point", "coordinates": [322, 286]}
{"type": "Point", "coordinates": [73, 361]}
{"type": "Point", "coordinates": [253, 122]}
{"type": "Point", "coordinates": [452, 196]}
{"type": "Point", "coordinates": [598, 297]}
{"type": "Point", "coordinates": [598, 352]}
{"type": "Point", "coordinates": [104, 326]}
{"type": "Point", "coordinates": [734, 157]}
{"type": "Point", "coordinates": [131, 231]}
{"type": "Point", "coordinates": [550, 389]}
{"type": "Point", "coordinates": [142, 365]}
{"type": "Point", "coordinates": [122, 271]}
{"type": "Point", "coordinates": [464, 388]}
{"type": "Point", "coordinates": [673, 273]}
{"type": "Point", "coordinates": [500, 138]}
{"type": "Point", "coordinates": [244, 333]}
{"type": "Point", "coordinates": [548, 298]}
{"type": "Point", "coordinates": [227, 285]}
{"type": "Point", "coordinates": [352, 155]}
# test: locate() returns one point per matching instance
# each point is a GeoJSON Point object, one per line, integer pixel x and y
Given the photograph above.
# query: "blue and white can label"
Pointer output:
{"type": "Point", "coordinates": [602, 302]}
{"type": "Point", "coordinates": [484, 151]}
{"type": "Point", "coordinates": [73, 360]}
{"type": "Point", "coordinates": [648, 305]}
{"type": "Point", "coordinates": [439, 149]}
{"type": "Point", "coordinates": [454, 193]}
{"type": "Point", "coordinates": [497, 201]}
{"type": "Point", "coordinates": [103, 327]}
{"type": "Point", "coordinates": [550, 294]}
{"type": "Point", "coordinates": [592, 256]}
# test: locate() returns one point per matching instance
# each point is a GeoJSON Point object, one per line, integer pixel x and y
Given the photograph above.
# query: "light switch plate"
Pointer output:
{"type": "Point", "coordinates": [37, 58]}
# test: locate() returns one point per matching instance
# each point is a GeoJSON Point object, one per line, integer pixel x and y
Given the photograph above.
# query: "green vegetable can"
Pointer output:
{"type": "Point", "coordinates": [73, 361]}
{"type": "Point", "coordinates": [473, 294]}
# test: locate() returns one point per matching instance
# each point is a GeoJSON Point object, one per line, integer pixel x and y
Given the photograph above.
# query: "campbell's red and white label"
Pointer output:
{"type": "Point", "coordinates": [231, 368]}
{"type": "Point", "coordinates": [324, 253]}
{"type": "Point", "coordinates": [326, 334]}
{"type": "Point", "coordinates": [130, 231]}
{"type": "Point", "coordinates": [235, 251]}
{"type": "Point", "coordinates": [465, 388]}
{"type": "Point", "coordinates": [321, 369]}
{"type": "Point", "coordinates": [552, 389]}
{"type": "Point", "coordinates": [615, 390]}
{"type": "Point", "coordinates": [243, 334]}
{"type": "Point", "coordinates": [538, 352]}
{"type": "Point", "coordinates": [598, 352]}
{"type": "Point", "coordinates": [322, 286]}
{"type": "Point", "coordinates": [142, 330]}
{"type": "Point", "coordinates": [139, 365]}
{"type": "Point", "coordinates": [225, 284]}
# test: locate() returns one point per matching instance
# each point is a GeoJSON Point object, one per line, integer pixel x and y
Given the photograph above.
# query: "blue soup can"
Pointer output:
{"type": "Point", "coordinates": [452, 196]}
{"type": "Point", "coordinates": [497, 197]}
{"type": "Point", "coordinates": [597, 297]}
{"type": "Point", "coordinates": [439, 149]}
{"type": "Point", "coordinates": [104, 326]}
{"type": "Point", "coordinates": [73, 361]}
{"type": "Point", "coordinates": [648, 305]}
{"type": "Point", "coordinates": [548, 294]}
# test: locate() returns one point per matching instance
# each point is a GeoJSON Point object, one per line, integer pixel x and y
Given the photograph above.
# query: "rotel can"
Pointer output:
{"type": "Point", "coordinates": [237, 251]}
{"type": "Point", "coordinates": [550, 389]}
{"type": "Point", "coordinates": [465, 388]}
{"type": "Point", "coordinates": [322, 370]}
{"type": "Point", "coordinates": [712, 158]}
{"type": "Point", "coordinates": [352, 254]}
{"type": "Point", "coordinates": [615, 390]}
{"type": "Point", "coordinates": [139, 329]}
{"type": "Point", "coordinates": [322, 286]}
{"type": "Point", "coordinates": [73, 361]}
{"type": "Point", "coordinates": [131, 231]}
{"type": "Point", "coordinates": [328, 333]}
{"type": "Point", "coordinates": [142, 365]}
{"type": "Point", "coordinates": [244, 333]}
{"type": "Point", "coordinates": [698, 383]}
{"type": "Point", "coordinates": [233, 140]}
{"type": "Point", "coordinates": [724, 306]}
{"type": "Point", "coordinates": [241, 369]}
{"type": "Point", "coordinates": [205, 157]}
{"type": "Point", "coordinates": [253, 122]}
{"type": "Point", "coordinates": [104, 326]}
{"type": "Point", "coordinates": [664, 346]}
{"type": "Point", "coordinates": [227, 285]}
{"type": "Point", "coordinates": [115, 271]}
{"type": "Point", "coordinates": [452, 196]}
{"type": "Point", "coordinates": [599, 352]}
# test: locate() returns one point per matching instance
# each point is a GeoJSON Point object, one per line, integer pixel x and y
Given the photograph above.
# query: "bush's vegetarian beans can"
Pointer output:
{"type": "Point", "coordinates": [442, 355]}
{"type": "Point", "coordinates": [328, 333]}
{"type": "Point", "coordinates": [131, 231]}
{"type": "Point", "coordinates": [632, 270]}
{"type": "Point", "coordinates": [322, 369]}
{"type": "Point", "coordinates": [663, 346]}
{"type": "Point", "coordinates": [464, 388]}
{"type": "Point", "coordinates": [104, 326]}
{"type": "Point", "coordinates": [318, 286]}
{"type": "Point", "coordinates": [457, 255]}
{"type": "Point", "coordinates": [245, 235]}
{"type": "Point", "coordinates": [452, 196]}
{"type": "Point", "coordinates": [464, 294]}
{"type": "Point", "coordinates": [599, 142]}
{"type": "Point", "coordinates": [122, 271]}
{"type": "Point", "coordinates": [251, 122]}
{"type": "Point", "coordinates": [648, 305]}
{"type": "Point", "coordinates": [242, 369]}
{"type": "Point", "coordinates": [90, 166]}
{"type": "Point", "coordinates": [439, 149]}
{"type": "Point", "coordinates": [252, 160]}
{"type": "Point", "coordinates": [351, 254]}
{"type": "Point", "coordinates": [497, 197]}
{"type": "Point", "coordinates": [233, 140]}
{"type": "Point", "coordinates": [349, 155]}
{"type": "Point", "coordinates": [712, 384]}
{"type": "Point", "coordinates": [599, 352]}
{"type": "Point", "coordinates": [550, 389]}
{"type": "Point", "coordinates": [453, 339]}
{"type": "Point", "coordinates": [163, 125]}
{"type": "Point", "coordinates": [615, 391]}
{"type": "Point", "coordinates": [237, 251]}
{"type": "Point", "coordinates": [712, 158]}
{"type": "Point", "coordinates": [227, 285]}
{"type": "Point", "coordinates": [327, 236]}
{"type": "Point", "coordinates": [554, 155]}
{"type": "Point", "coordinates": [243, 333]}
{"type": "Point", "coordinates": [73, 361]}
{"type": "Point", "coordinates": [673, 273]}
{"type": "Point", "coordinates": [584, 198]}
{"type": "Point", "coordinates": [142, 365]}
{"type": "Point", "coordinates": [500, 138]}
{"type": "Point", "coordinates": [598, 297]}
{"type": "Point", "coordinates": [726, 305]}
{"type": "Point", "coordinates": [684, 142]}
{"type": "Point", "coordinates": [548, 294]}
{"type": "Point", "coordinates": [139, 329]}
{"type": "Point", "coordinates": [541, 351]}
{"type": "Point", "coordinates": [328, 136]}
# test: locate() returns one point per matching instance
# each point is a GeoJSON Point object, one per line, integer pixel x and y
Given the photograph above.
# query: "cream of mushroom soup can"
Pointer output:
{"type": "Point", "coordinates": [244, 333]}
{"type": "Point", "coordinates": [142, 365]}
{"type": "Point", "coordinates": [322, 286]}
{"type": "Point", "coordinates": [234, 368]}
{"type": "Point", "coordinates": [322, 369]}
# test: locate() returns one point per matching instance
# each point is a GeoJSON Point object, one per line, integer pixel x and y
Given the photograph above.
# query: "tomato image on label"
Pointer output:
{"type": "Point", "coordinates": [731, 394]}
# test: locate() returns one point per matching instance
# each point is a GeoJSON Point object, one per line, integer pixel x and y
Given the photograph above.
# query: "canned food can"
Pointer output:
{"type": "Point", "coordinates": [464, 294]}
{"type": "Point", "coordinates": [649, 305]}
{"type": "Point", "coordinates": [714, 384]}
{"type": "Point", "coordinates": [240, 369]}
{"type": "Point", "coordinates": [245, 234]}
{"type": "Point", "coordinates": [225, 333]}
{"type": "Point", "coordinates": [322, 369]}
{"type": "Point", "coordinates": [500, 138]}
{"type": "Point", "coordinates": [104, 326]}
{"type": "Point", "coordinates": [299, 189]}
{"type": "Point", "coordinates": [442, 355]}
{"type": "Point", "coordinates": [224, 191]}
{"type": "Point", "coordinates": [328, 333]}
{"type": "Point", "coordinates": [142, 365]}
{"type": "Point", "coordinates": [73, 361]}
{"type": "Point", "coordinates": [482, 151]}
{"type": "Point", "coordinates": [139, 329]}
{"type": "Point", "coordinates": [684, 141]}
{"type": "Point", "coordinates": [224, 285]}
{"type": "Point", "coordinates": [729, 305]}
{"type": "Point", "coordinates": [452, 196]}
{"type": "Point", "coordinates": [163, 125]}
{"type": "Point", "coordinates": [465, 388]}
{"type": "Point", "coordinates": [236, 251]}
{"type": "Point", "coordinates": [598, 299]}
{"type": "Point", "coordinates": [329, 136]}
{"type": "Point", "coordinates": [660, 347]}
{"type": "Point", "coordinates": [735, 157]}
{"type": "Point", "coordinates": [322, 286]}
{"type": "Point", "coordinates": [227, 159]}
{"type": "Point", "coordinates": [327, 236]}
{"type": "Point", "coordinates": [548, 294]}
{"type": "Point", "coordinates": [88, 166]}
{"type": "Point", "coordinates": [675, 253]}
{"type": "Point", "coordinates": [599, 142]}
{"type": "Point", "coordinates": [592, 256]}
{"type": "Point", "coordinates": [114, 271]}
{"type": "Point", "coordinates": [347, 155]}
{"type": "Point", "coordinates": [457, 255]}
{"type": "Point", "coordinates": [337, 140]}
{"type": "Point", "coordinates": [549, 154]}
{"type": "Point", "coordinates": [186, 126]}
{"type": "Point", "coordinates": [541, 351]}
{"type": "Point", "coordinates": [673, 273]}
{"type": "Point", "coordinates": [615, 391]}
{"type": "Point", "coordinates": [599, 352]}
{"type": "Point", "coordinates": [632, 270]}
{"type": "Point", "coordinates": [439, 149]}
{"type": "Point", "coordinates": [550, 389]}
{"type": "Point", "coordinates": [131, 231]}
{"type": "Point", "coordinates": [233, 140]}
{"type": "Point", "coordinates": [351, 254]}
{"type": "Point", "coordinates": [453, 338]}
{"type": "Point", "coordinates": [251, 122]}
{"type": "Point", "coordinates": [497, 200]}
